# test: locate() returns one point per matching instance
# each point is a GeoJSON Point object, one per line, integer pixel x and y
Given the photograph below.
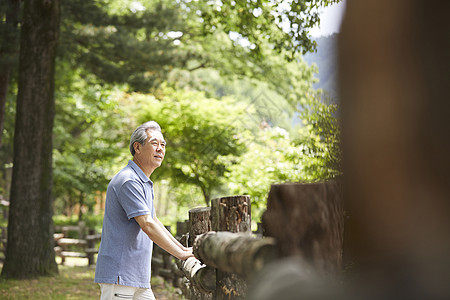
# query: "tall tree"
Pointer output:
{"type": "Point", "coordinates": [29, 251]}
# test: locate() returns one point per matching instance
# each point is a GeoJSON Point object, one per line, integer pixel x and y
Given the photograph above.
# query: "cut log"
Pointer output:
{"type": "Point", "coordinates": [307, 220]}
{"type": "Point", "coordinates": [199, 222]}
{"type": "Point", "coordinates": [200, 275]}
{"type": "Point", "coordinates": [73, 254]}
{"type": "Point", "coordinates": [75, 242]}
{"type": "Point", "coordinates": [237, 253]}
{"type": "Point", "coordinates": [58, 236]}
{"type": "Point", "coordinates": [94, 237]}
{"type": "Point", "coordinates": [231, 214]}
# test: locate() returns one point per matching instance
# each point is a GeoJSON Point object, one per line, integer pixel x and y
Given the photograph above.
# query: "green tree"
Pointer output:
{"type": "Point", "coordinates": [120, 44]}
{"type": "Point", "coordinates": [199, 131]}
{"type": "Point", "coordinates": [319, 140]}
{"type": "Point", "coordinates": [283, 24]}
{"type": "Point", "coordinates": [89, 129]}
{"type": "Point", "coordinates": [139, 44]}
{"type": "Point", "coordinates": [264, 163]}
{"type": "Point", "coordinates": [307, 154]}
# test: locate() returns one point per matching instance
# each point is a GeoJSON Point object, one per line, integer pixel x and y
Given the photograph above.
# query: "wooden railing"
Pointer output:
{"type": "Point", "coordinates": [302, 221]}
{"type": "Point", "coordinates": [84, 246]}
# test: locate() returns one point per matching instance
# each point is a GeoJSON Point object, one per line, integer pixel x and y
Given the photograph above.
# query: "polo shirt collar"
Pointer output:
{"type": "Point", "coordinates": [139, 172]}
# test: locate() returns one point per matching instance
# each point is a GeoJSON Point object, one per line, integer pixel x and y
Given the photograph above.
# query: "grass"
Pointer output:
{"type": "Point", "coordinates": [74, 282]}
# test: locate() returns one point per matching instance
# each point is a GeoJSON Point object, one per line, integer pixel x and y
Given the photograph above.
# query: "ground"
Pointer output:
{"type": "Point", "coordinates": [75, 282]}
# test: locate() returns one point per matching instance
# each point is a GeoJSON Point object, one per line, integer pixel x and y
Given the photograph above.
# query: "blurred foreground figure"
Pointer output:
{"type": "Point", "coordinates": [394, 59]}
{"type": "Point", "coordinates": [394, 80]}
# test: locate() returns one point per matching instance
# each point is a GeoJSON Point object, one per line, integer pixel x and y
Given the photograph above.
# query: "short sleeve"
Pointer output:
{"type": "Point", "coordinates": [132, 197]}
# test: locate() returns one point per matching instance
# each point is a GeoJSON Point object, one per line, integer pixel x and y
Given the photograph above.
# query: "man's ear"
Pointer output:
{"type": "Point", "coordinates": [137, 147]}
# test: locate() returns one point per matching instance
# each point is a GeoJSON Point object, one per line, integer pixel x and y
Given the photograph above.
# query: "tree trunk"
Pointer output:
{"type": "Point", "coordinates": [8, 52]}
{"type": "Point", "coordinates": [81, 204]}
{"type": "Point", "coordinates": [4, 82]}
{"type": "Point", "coordinates": [30, 250]}
{"type": "Point", "coordinates": [205, 193]}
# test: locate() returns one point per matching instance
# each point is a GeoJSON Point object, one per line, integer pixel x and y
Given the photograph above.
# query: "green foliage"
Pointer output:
{"type": "Point", "coordinates": [264, 163]}
{"type": "Point", "coordinates": [198, 131]}
{"type": "Point", "coordinates": [122, 43]}
{"type": "Point", "coordinates": [139, 43]}
{"type": "Point", "coordinates": [227, 139]}
{"type": "Point", "coordinates": [9, 33]}
{"type": "Point", "coordinates": [311, 154]}
{"type": "Point", "coordinates": [88, 132]}
{"type": "Point", "coordinates": [283, 24]}
{"type": "Point", "coordinates": [90, 220]}
{"type": "Point", "coordinates": [319, 140]}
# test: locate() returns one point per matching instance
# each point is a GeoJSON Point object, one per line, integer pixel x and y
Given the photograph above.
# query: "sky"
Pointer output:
{"type": "Point", "coordinates": [330, 20]}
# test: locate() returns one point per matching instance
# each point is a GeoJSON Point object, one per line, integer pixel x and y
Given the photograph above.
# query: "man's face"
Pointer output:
{"type": "Point", "coordinates": [153, 151]}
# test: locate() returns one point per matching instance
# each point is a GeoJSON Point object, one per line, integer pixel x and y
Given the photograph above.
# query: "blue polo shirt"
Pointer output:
{"type": "Point", "coordinates": [125, 250]}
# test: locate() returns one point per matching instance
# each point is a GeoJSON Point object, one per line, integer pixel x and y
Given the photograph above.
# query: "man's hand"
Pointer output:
{"type": "Point", "coordinates": [187, 252]}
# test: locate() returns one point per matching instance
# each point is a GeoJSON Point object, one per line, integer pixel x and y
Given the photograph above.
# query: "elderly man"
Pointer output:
{"type": "Point", "coordinates": [130, 225]}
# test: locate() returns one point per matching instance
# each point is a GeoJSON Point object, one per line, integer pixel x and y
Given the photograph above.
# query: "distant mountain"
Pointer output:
{"type": "Point", "coordinates": [326, 60]}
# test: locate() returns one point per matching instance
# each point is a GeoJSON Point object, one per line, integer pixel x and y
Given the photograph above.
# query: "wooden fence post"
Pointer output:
{"type": "Point", "coordinates": [308, 221]}
{"type": "Point", "coordinates": [231, 214]}
{"type": "Point", "coordinates": [91, 239]}
{"type": "Point", "coordinates": [199, 223]}
{"type": "Point", "coordinates": [182, 230]}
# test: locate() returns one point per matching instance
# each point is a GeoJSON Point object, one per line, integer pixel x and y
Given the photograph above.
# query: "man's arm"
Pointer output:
{"type": "Point", "coordinates": [158, 234]}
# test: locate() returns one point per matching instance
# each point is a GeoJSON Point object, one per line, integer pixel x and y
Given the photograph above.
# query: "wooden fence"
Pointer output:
{"type": "Point", "coordinates": [83, 246]}
{"type": "Point", "coordinates": [303, 222]}
{"type": "Point", "coordinates": [70, 241]}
